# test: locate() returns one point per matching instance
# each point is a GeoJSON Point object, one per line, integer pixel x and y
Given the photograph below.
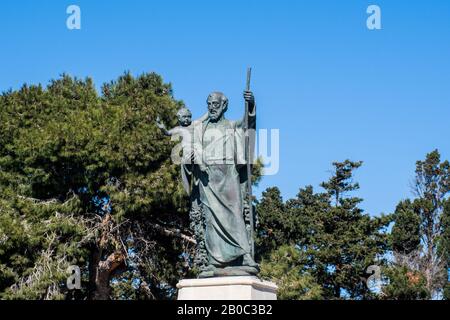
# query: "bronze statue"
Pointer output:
{"type": "Point", "coordinates": [216, 174]}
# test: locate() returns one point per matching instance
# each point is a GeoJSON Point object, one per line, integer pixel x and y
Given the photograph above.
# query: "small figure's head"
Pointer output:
{"type": "Point", "coordinates": [217, 105]}
{"type": "Point", "coordinates": [184, 117]}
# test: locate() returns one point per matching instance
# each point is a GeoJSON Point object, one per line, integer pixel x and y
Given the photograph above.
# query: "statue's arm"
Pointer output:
{"type": "Point", "coordinates": [250, 99]}
{"type": "Point", "coordinates": [163, 128]}
{"type": "Point", "coordinates": [252, 117]}
{"type": "Point", "coordinates": [172, 131]}
{"type": "Point", "coordinates": [167, 132]}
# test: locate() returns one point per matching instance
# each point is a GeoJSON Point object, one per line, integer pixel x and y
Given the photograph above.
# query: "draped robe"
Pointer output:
{"type": "Point", "coordinates": [222, 188]}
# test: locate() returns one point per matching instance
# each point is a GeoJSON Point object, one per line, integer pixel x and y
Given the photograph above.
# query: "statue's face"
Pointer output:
{"type": "Point", "coordinates": [185, 119]}
{"type": "Point", "coordinates": [216, 107]}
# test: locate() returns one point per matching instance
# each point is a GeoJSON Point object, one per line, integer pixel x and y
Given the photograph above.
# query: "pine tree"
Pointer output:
{"type": "Point", "coordinates": [420, 232]}
{"type": "Point", "coordinates": [350, 240]}
{"type": "Point", "coordinates": [406, 230]}
{"type": "Point", "coordinates": [406, 280]}
{"type": "Point", "coordinates": [432, 185]}
{"type": "Point", "coordinates": [86, 179]}
{"type": "Point", "coordinates": [336, 241]}
{"type": "Point", "coordinates": [272, 222]}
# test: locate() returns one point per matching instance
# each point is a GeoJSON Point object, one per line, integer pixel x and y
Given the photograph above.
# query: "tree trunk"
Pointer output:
{"type": "Point", "coordinates": [101, 271]}
{"type": "Point", "coordinates": [102, 276]}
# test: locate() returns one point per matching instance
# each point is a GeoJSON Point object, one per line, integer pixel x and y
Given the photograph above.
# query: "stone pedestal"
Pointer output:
{"type": "Point", "coordinates": [226, 288]}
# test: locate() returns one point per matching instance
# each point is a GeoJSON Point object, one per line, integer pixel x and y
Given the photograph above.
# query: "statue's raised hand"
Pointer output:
{"type": "Point", "coordinates": [248, 96]}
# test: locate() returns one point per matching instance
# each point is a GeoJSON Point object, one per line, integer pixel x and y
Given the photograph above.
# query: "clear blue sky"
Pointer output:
{"type": "Point", "coordinates": [334, 89]}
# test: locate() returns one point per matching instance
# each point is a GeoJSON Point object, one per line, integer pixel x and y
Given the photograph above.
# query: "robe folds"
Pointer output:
{"type": "Point", "coordinates": [221, 188]}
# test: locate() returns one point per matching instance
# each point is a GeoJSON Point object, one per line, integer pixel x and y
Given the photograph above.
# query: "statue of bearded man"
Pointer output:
{"type": "Point", "coordinates": [219, 189]}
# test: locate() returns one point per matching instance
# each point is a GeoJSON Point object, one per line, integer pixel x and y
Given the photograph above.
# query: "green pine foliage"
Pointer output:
{"type": "Point", "coordinates": [420, 234]}
{"type": "Point", "coordinates": [406, 230]}
{"type": "Point", "coordinates": [40, 240]}
{"type": "Point", "coordinates": [404, 284]}
{"type": "Point", "coordinates": [335, 239]}
{"type": "Point", "coordinates": [85, 177]}
{"type": "Point", "coordinates": [287, 267]}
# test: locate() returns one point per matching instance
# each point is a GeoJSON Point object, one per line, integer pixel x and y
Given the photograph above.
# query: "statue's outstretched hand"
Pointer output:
{"type": "Point", "coordinates": [159, 124]}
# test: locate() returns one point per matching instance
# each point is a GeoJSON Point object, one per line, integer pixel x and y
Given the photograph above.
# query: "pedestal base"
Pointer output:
{"type": "Point", "coordinates": [226, 288]}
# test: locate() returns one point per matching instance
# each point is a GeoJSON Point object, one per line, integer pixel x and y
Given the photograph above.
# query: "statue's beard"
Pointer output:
{"type": "Point", "coordinates": [214, 116]}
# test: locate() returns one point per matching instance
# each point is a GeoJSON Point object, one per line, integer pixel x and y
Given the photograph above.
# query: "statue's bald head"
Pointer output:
{"type": "Point", "coordinates": [217, 105]}
{"type": "Point", "coordinates": [218, 95]}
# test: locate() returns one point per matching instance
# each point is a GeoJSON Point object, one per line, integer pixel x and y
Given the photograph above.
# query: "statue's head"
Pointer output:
{"type": "Point", "coordinates": [217, 105]}
{"type": "Point", "coordinates": [184, 117]}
